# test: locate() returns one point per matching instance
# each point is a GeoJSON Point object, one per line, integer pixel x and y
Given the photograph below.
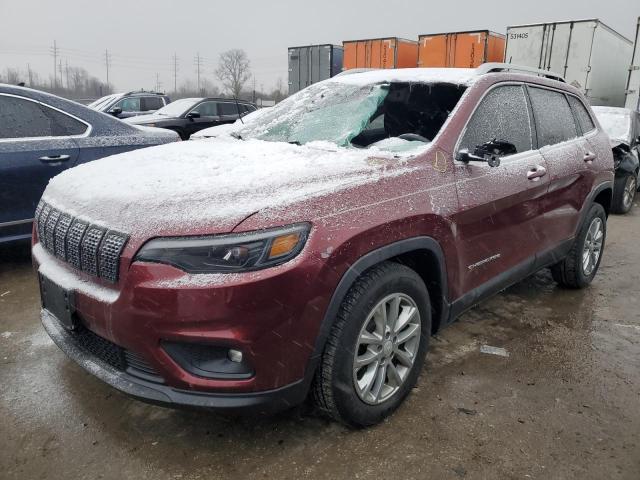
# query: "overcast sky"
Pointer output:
{"type": "Point", "coordinates": [142, 35]}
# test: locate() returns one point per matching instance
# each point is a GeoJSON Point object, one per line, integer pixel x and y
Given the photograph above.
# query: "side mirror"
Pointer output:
{"type": "Point", "coordinates": [192, 115]}
{"type": "Point", "coordinates": [115, 111]}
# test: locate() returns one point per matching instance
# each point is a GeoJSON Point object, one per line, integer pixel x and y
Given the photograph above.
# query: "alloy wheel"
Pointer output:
{"type": "Point", "coordinates": [592, 246]}
{"type": "Point", "coordinates": [387, 347]}
{"type": "Point", "coordinates": [629, 191]}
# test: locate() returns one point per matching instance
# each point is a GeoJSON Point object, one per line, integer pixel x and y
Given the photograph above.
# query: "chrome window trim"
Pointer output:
{"type": "Point", "coordinates": [16, 222]}
{"type": "Point", "coordinates": [86, 133]}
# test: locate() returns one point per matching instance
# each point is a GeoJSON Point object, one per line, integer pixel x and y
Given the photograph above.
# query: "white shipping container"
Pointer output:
{"type": "Point", "coordinates": [633, 83]}
{"type": "Point", "coordinates": [589, 55]}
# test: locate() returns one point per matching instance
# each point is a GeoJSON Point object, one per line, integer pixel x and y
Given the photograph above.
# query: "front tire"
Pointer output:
{"type": "Point", "coordinates": [376, 348]}
{"type": "Point", "coordinates": [624, 192]}
{"type": "Point", "coordinates": [580, 266]}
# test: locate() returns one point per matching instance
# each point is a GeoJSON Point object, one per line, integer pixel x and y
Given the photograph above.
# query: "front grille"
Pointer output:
{"type": "Point", "coordinates": [114, 355]}
{"type": "Point", "coordinates": [87, 247]}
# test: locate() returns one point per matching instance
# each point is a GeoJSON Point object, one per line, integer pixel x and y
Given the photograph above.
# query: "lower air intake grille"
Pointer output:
{"type": "Point", "coordinates": [114, 355]}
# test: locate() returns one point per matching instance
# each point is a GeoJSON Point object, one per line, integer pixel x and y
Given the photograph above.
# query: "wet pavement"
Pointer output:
{"type": "Point", "coordinates": [564, 404]}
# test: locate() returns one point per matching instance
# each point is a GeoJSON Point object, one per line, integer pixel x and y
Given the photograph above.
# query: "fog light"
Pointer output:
{"type": "Point", "coordinates": [235, 356]}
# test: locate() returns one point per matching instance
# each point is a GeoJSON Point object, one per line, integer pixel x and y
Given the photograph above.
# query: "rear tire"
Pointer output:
{"type": "Point", "coordinates": [580, 266]}
{"type": "Point", "coordinates": [624, 192]}
{"type": "Point", "coordinates": [389, 353]}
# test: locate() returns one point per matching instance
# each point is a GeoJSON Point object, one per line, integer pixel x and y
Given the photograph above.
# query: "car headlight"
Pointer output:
{"type": "Point", "coordinates": [232, 253]}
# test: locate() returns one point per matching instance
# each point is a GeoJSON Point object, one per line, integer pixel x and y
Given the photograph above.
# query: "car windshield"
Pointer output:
{"type": "Point", "coordinates": [177, 108]}
{"type": "Point", "coordinates": [395, 117]}
{"type": "Point", "coordinates": [101, 102]}
{"type": "Point", "coordinates": [616, 122]}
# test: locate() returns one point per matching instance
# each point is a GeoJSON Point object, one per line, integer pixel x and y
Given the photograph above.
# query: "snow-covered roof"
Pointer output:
{"type": "Point", "coordinates": [458, 76]}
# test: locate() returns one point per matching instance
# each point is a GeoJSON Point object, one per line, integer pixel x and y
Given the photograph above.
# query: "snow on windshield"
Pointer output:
{"type": "Point", "coordinates": [615, 121]}
{"type": "Point", "coordinates": [332, 112]}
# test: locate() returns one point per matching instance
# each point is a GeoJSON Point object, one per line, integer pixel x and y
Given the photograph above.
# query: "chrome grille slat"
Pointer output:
{"type": "Point", "coordinates": [90, 248]}
{"type": "Point", "coordinates": [89, 254]}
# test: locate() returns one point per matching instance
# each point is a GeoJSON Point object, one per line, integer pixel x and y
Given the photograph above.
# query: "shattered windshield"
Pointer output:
{"type": "Point", "coordinates": [330, 112]}
{"type": "Point", "coordinates": [395, 117]}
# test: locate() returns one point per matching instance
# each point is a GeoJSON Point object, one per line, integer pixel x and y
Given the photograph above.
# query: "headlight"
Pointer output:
{"type": "Point", "coordinates": [228, 253]}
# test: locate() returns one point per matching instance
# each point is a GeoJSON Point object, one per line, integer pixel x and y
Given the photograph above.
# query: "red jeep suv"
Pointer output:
{"type": "Point", "coordinates": [314, 251]}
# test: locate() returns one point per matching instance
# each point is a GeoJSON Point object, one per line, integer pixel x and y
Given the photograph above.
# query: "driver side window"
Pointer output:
{"type": "Point", "coordinates": [502, 115]}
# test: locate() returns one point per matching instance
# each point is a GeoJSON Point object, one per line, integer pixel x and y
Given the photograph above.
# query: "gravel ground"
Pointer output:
{"type": "Point", "coordinates": [564, 404]}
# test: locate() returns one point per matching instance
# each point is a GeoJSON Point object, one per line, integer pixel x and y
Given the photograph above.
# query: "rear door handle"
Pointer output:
{"type": "Point", "coordinates": [589, 157]}
{"type": "Point", "coordinates": [536, 173]}
{"type": "Point", "coordinates": [54, 158]}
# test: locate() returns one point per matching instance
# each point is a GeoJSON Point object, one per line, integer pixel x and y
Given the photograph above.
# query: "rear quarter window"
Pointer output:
{"type": "Point", "coordinates": [554, 120]}
{"type": "Point", "coordinates": [152, 103]}
{"type": "Point", "coordinates": [22, 118]}
{"type": "Point", "coordinates": [582, 115]}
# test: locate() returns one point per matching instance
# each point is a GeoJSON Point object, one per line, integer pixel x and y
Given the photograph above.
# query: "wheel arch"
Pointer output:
{"type": "Point", "coordinates": [423, 254]}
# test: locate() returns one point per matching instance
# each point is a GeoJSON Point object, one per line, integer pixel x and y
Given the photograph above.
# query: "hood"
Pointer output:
{"type": "Point", "coordinates": [210, 186]}
{"type": "Point", "coordinates": [145, 119]}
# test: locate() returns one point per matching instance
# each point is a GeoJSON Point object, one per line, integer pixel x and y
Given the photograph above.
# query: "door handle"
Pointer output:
{"type": "Point", "coordinates": [536, 173]}
{"type": "Point", "coordinates": [54, 158]}
{"type": "Point", "coordinates": [589, 157]}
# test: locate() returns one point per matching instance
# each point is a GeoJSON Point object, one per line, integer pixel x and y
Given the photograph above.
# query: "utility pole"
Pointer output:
{"type": "Point", "coordinates": [54, 52]}
{"type": "Point", "coordinates": [254, 89]}
{"type": "Point", "coordinates": [175, 72]}
{"type": "Point", "coordinates": [66, 65]}
{"type": "Point", "coordinates": [158, 83]}
{"type": "Point", "coordinates": [60, 70]}
{"type": "Point", "coordinates": [107, 61]}
{"type": "Point", "coordinates": [30, 74]}
{"type": "Point", "coordinates": [198, 63]}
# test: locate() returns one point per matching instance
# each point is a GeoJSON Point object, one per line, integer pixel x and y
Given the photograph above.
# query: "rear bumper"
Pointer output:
{"type": "Point", "coordinates": [255, 402]}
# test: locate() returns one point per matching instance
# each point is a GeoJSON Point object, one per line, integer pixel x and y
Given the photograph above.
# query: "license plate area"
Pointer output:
{"type": "Point", "coordinates": [58, 301]}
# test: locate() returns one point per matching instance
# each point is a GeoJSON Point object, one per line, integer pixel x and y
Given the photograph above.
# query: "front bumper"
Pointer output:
{"type": "Point", "coordinates": [164, 395]}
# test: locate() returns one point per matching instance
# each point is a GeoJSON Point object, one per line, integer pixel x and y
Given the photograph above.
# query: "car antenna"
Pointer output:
{"type": "Point", "coordinates": [238, 108]}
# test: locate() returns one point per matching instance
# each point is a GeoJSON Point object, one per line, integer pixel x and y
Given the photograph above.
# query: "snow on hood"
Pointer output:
{"type": "Point", "coordinates": [616, 122]}
{"type": "Point", "coordinates": [210, 185]}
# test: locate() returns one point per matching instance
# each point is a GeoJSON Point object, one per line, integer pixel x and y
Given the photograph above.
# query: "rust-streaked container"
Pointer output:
{"type": "Point", "coordinates": [380, 53]}
{"type": "Point", "coordinates": [461, 49]}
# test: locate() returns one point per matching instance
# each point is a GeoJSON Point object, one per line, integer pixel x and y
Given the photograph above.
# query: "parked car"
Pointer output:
{"type": "Point", "coordinates": [189, 115]}
{"type": "Point", "coordinates": [317, 251]}
{"type": "Point", "coordinates": [131, 104]}
{"type": "Point", "coordinates": [623, 127]}
{"type": "Point", "coordinates": [42, 135]}
{"type": "Point", "coordinates": [230, 128]}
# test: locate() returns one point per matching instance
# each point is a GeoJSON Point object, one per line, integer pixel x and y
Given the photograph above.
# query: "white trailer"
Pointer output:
{"type": "Point", "coordinates": [588, 54]}
{"type": "Point", "coordinates": [633, 82]}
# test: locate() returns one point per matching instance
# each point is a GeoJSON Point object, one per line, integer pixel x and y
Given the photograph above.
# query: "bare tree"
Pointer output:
{"type": "Point", "coordinates": [233, 70]}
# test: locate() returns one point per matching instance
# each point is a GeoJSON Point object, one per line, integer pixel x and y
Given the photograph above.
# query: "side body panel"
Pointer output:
{"type": "Point", "coordinates": [312, 64]}
{"type": "Point", "coordinates": [632, 91]}
{"type": "Point", "coordinates": [380, 53]}
{"type": "Point", "coordinates": [591, 56]}
{"type": "Point", "coordinates": [460, 49]}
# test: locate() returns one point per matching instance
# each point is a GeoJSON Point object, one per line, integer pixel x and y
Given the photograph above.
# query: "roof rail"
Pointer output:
{"type": "Point", "coordinates": [508, 67]}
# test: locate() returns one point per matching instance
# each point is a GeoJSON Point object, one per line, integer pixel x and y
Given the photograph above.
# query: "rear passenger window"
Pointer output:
{"type": "Point", "coordinates": [151, 103]}
{"type": "Point", "coordinates": [23, 118]}
{"type": "Point", "coordinates": [502, 115]}
{"type": "Point", "coordinates": [228, 109]}
{"type": "Point", "coordinates": [129, 104]}
{"type": "Point", "coordinates": [554, 120]}
{"type": "Point", "coordinates": [581, 113]}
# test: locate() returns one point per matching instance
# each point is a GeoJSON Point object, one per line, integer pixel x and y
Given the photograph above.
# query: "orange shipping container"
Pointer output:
{"type": "Point", "coordinates": [380, 53]}
{"type": "Point", "coordinates": [461, 49]}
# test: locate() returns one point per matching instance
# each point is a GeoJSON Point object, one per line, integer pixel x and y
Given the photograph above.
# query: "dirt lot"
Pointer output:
{"type": "Point", "coordinates": [564, 404]}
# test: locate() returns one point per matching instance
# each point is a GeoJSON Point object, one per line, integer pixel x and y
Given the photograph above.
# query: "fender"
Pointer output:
{"type": "Point", "coordinates": [351, 275]}
{"type": "Point", "coordinates": [590, 200]}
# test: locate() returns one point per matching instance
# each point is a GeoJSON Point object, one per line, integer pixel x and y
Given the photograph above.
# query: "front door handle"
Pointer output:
{"type": "Point", "coordinates": [589, 157]}
{"type": "Point", "coordinates": [54, 158]}
{"type": "Point", "coordinates": [536, 173]}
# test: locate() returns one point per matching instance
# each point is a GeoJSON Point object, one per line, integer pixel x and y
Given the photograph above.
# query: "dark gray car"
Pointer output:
{"type": "Point", "coordinates": [42, 135]}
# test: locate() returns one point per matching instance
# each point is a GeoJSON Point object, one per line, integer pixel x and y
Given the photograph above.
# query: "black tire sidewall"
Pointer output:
{"type": "Point", "coordinates": [349, 405]}
{"type": "Point", "coordinates": [618, 198]}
